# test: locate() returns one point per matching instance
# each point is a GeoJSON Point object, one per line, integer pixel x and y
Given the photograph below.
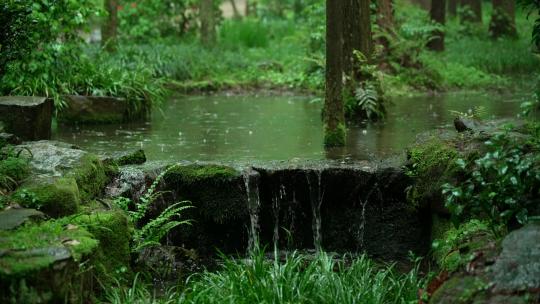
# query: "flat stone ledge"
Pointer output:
{"type": "Point", "coordinates": [27, 117]}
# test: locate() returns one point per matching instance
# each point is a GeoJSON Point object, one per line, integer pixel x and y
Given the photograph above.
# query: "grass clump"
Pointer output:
{"type": "Point", "coordinates": [299, 279]}
{"type": "Point", "coordinates": [12, 171]}
{"type": "Point", "coordinates": [248, 33]}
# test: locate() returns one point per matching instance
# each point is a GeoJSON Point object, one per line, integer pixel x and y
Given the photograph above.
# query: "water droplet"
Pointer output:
{"type": "Point", "coordinates": [250, 132]}
{"type": "Point", "coordinates": [364, 132]}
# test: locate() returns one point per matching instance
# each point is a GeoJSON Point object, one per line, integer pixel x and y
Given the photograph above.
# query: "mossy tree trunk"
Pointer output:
{"type": "Point", "coordinates": [438, 15]}
{"type": "Point", "coordinates": [334, 118]}
{"type": "Point", "coordinates": [452, 7]}
{"type": "Point", "coordinates": [110, 27]}
{"type": "Point", "coordinates": [208, 28]}
{"type": "Point", "coordinates": [471, 11]}
{"type": "Point", "coordinates": [503, 19]}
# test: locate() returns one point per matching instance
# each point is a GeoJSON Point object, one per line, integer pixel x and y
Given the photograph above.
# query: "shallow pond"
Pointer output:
{"type": "Point", "coordinates": [276, 128]}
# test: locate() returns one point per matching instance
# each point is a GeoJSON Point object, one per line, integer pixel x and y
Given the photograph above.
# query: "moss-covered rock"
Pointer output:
{"type": "Point", "coordinates": [41, 263]}
{"type": "Point", "coordinates": [56, 197]}
{"type": "Point", "coordinates": [14, 217]}
{"type": "Point", "coordinates": [113, 231]}
{"type": "Point", "coordinates": [431, 164]}
{"type": "Point", "coordinates": [91, 176]}
{"type": "Point", "coordinates": [132, 158]}
{"type": "Point", "coordinates": [458, 290]}
{"type": "Point", "coordinates": [456, 247]}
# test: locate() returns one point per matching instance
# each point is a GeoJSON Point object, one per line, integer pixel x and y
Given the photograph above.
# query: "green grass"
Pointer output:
{"type": "Point", "coordinates": [298, 279]}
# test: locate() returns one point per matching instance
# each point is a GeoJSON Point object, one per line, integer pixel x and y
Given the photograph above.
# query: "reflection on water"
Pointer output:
{"type": "Point", "coordinates": [275, 128]}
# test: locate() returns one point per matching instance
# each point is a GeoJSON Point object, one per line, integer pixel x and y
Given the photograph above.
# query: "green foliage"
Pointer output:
{"type": "Point", "coordinates": [456, 246]}
{"type": "Point", "coordinates": [298, 279]}
{"type": "Point", "coordinates": [56, 63]}
{"type": "Point", "coordinates": [12, 171]}
{"type": "Point", "coordinates": [147, 19]}
{"type": "Point", "coordinates": [325, 279]}
{"type": "Point", "coordinates": [503, 185]}
{"type": "Point", "coordinates": [248, 33]}
{"type": "Point", "coordinates": [151, 233]}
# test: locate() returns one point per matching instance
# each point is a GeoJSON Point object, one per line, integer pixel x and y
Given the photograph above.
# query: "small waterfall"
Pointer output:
{"type": "Point", "coordinates": [316, 193]}
{"type": "Point", "coordinates": [362, 226]}
{"type": "Point", "coordinates": [251, 181]}
{"type": "Point", "coordinates": [276, 206]}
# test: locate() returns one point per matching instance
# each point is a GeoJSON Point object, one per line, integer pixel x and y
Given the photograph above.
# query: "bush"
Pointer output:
{"type": "Point", "coordinates": [244, 33]}
{"type": "Point", "coordinates": [503, 185]}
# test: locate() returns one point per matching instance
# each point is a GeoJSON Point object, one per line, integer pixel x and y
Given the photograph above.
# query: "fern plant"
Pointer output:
{"type": "Point", "coordinates": [152, 232]}
{"type": "Point", "coordinates": [368, 101]}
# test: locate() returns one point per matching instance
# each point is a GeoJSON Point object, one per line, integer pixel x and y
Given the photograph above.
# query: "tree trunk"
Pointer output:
{"type": "Point", "coordinates": [110, 27]}
{"type": "Point", "coordinates": [356, 35]}
{"type": "Point", "coordinates": [452, 7]}
{"type": "Point", "coordinates": [503, 19]}
{"type": "Point", "coordinates": [334, 118]}
{"type": "Point", "coordinates": [385, 15]}
{"type": "Point", "coordinates": [208, 28]}
{"type": "Point", "coordinates": [471, 11]}
{"type": "Point", "coordinates": [236, 13]}
{"type": "Point", "coordinates": [247, 9]}
{"type": "Point", "coordinates": [438, 15]}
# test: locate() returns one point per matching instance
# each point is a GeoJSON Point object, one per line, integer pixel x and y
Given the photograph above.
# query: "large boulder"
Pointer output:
{"type": "Point", "coordinates": [27, 117]}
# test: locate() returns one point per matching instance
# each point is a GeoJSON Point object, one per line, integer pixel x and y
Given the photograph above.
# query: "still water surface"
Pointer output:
{"type": "Point", "coordinates": [276, 128]}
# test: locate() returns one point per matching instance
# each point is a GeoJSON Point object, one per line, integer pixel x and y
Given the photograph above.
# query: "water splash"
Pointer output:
{"type": "Point", "coordinates": [316, 193]}
{"type": "Point", "coordinates": [251, 181]}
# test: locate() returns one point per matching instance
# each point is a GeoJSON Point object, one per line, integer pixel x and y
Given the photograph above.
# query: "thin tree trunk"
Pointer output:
{"type": "Point", "coordinates": [438, 15]}
{"type": "Point", "coordinates": [471, 11]}
{"type": "Point", "coordinates": [452, 8]}
{"type": "Point", "coordinates": [247, 10]}
{"type": "Point", "coordinates": [208, 29]}
{"type": "Point", "coordinates": [356, 35]}
{"type": "Point", "coordinates": [385, 15]}
{"type": "Point", "coordinates": [503, 19]}
{"type": "Point", "coordinates": [334, 118]}
{"type": "Point", "coordinates": [236, 13]}
{"type": "Point", "coordinates": [110, 27]}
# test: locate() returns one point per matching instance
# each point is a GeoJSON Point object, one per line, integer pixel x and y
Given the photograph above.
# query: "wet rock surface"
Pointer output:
{"type": "Point", "coordinates": [339, 207]}
{"type": "Point", "coordinates": [15, 217]}
{"type": "Point", "coordinates": [95, 109]}
{"type": "Point", "coordinates": [27, 117]}
{"type": "Point", "coordinates": [51, 158]}
{"type": "Point", "coordinates": [518, 266]}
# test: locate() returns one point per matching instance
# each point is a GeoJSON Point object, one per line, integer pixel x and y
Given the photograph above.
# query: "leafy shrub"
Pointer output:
{"type": "Point", "coordinates": [503, 186]}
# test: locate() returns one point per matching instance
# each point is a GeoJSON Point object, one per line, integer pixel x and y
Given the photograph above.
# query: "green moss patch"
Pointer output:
{"type": "Point", "coordinates": [56, 197]}
{"type": "Point", "coordinates": [91, 177]}
{"type": "Point", "coordinates": [456, 247]}
{"type": "Point", "coordinates": [431, 164]}
{"type": "Point", "coordinates": [113, 231]}
{"type": "Point", "coordinates": [201, 173]}
{"type": "Point", "coordinates": [135, 158]}
{"type": "Point", "coordinates": [216, 191]}
{"type": "Point", "coordinates": [32, 248]}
